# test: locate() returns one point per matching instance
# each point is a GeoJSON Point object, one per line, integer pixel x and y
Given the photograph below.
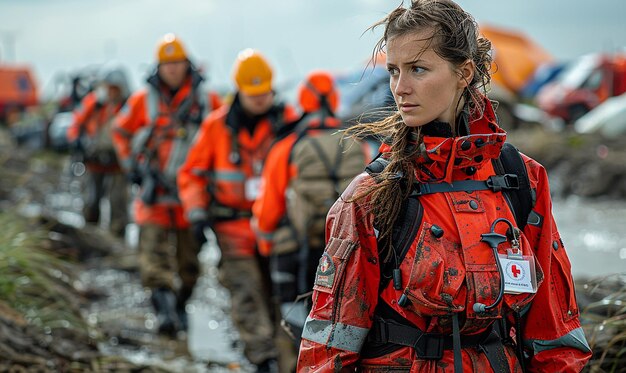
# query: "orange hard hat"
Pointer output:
{"type": "Point", "coordinates": [318, 90]}
{"type": "Point", "coordinates": [170, 49]}
{"type": "Point", "coordinates": [252, 74]}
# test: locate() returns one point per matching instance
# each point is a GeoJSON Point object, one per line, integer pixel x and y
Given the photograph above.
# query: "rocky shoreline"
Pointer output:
{"type": "Point", "coordinates": [585, 165]}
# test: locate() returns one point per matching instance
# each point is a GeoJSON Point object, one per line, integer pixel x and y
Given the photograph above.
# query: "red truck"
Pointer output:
{"type": "Point", "coordinates": [583, 85]}
{"type": "Point", "coordinates": [17, 91]}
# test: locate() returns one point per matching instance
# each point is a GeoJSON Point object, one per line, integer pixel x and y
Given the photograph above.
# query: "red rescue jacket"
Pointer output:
{"type": "Point", "coordinates": [444, 275]}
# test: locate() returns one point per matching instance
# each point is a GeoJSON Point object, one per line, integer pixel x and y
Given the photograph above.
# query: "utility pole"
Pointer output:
{"type": "Point", "coordinates": [9, 40]}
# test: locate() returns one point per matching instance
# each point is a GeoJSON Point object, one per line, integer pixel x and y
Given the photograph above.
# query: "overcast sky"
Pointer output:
{"type": "Point", "coordinates": [57, 36]}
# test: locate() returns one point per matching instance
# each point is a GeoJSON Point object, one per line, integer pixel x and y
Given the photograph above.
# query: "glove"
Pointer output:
{"type": "Point", "coordinates": [134, 177]}
{"type": "Point", "coordinates": [75, 146]}
{"type": "Point", "coordinates": [197, 229]}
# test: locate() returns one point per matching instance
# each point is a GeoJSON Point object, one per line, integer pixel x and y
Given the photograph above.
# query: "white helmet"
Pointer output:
{"type": "Point", "coordinates": [115, 75]}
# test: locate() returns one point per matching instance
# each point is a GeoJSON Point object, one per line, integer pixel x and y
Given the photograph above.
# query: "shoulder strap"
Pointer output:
{"type": "Point", "coordinates": [404, 230]}
{"type": "Point", "coordinates": [276, 117]}
{"type": "Point", "coordinates": [198, 96]}
{"type": "Point", "coordinates": [202, 99]}
{"type": "Point", "coordinates": [153, 104]}
{"type": "Point", "coordinates": [301, 129]}
{"type": "Point", "coordinates": [521, 200]}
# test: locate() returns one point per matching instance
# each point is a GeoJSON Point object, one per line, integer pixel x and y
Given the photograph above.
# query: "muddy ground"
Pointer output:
{"type": "Point", "coordinates": [94, 283]}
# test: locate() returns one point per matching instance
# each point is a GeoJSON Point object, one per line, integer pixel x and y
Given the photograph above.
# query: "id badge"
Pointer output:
{"type": "Point", "coordinates": [253, 186]}
{"type": "Point", "coordinates": [519, 272]}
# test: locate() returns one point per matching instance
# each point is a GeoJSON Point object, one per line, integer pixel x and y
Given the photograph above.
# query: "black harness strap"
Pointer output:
{"type": "Point", "coordinates": [496, 183]}
{"type": "Point", "coordinates": [394, 331]}
{"type": "Point", "coordinates": [522, 199]}
{"type": "Point", "coordinates": [456, 344]}
{"type": "Point", "coordinates": [493, 349]}
{"type": "Point", "coordinates": [404, 230]}
{"type": "Point", "coordinates": [221, 213]}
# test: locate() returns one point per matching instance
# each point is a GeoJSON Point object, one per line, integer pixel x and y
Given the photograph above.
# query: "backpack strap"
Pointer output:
{"type": "Point", "coordinates": [153, 104]}
{"type": "Point", "coordinates": [404, 230]}
{"type": "Point", "coordinates": [522, 199]}
{"type": "Point", "coordinates": [301, 128]}
{"type": "Point", "coordinates": [496, 183]}
{"type": "Point", "coordinates": [276, 116]}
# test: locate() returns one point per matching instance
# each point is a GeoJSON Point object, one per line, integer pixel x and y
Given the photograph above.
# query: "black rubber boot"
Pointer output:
{"type": "Point", "coordinates": [183, 296]}
{"type": "Point", "coordinates": [164, 302]}
{"type": "Point", "coordinates": [182, 316]}
{"type": "Point", "coordinates": [268, 366]}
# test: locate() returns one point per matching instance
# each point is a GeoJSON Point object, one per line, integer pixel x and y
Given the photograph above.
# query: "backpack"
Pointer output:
{"type": "Point", "coordinates": [326, 163]}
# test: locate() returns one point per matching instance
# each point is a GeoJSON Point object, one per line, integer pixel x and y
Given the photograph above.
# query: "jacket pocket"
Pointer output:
{"type": "Point", "coordinates": [561, 276]}
{"type": "Point", "coordinates": [483, 286]}
{"type": "Point", "coordinates": [435, 274]}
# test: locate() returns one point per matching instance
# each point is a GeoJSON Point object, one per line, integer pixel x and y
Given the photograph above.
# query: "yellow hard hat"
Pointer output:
{"type": "Point", "coordinates": [170, 49]}
{"type": "Point", "coordinates": [253, 74]}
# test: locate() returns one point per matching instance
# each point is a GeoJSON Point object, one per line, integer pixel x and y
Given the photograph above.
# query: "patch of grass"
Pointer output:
{"type": "Point", "coordinates": [34, 282]}
{"type": "Point", "coordinates": [604, 322]}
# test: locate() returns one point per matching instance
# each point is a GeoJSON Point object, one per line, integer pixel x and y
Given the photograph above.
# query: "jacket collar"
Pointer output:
{"type": "Point", "coordinates": [445, 159]}
{"type": "Point", "coordinates": [237, 118]}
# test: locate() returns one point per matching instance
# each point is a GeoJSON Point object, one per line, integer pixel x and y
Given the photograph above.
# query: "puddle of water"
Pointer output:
{"type": "Point", "coordinates": [594, 235]}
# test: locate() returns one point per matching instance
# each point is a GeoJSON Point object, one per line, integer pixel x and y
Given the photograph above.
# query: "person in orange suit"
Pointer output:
{"type": "Point", "coordinates": [469, 288]}
{"type": "Point", "coordinates": [218, 184]}
{"type": "Point", "coordinates": [304, 174]}
{"type": "Point", "coordinates": [152, 135]}
{"type": "Point", "coordinates": [90, 136]}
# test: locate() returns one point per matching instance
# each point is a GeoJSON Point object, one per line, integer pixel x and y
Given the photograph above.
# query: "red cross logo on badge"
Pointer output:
{"type": "Point", "coordinates": [515, 271]}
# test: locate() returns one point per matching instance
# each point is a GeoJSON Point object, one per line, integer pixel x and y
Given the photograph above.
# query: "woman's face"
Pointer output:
{"type": "Point", "coordinates": [424, 86]}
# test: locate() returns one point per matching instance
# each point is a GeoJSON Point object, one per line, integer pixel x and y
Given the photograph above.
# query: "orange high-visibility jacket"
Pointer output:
{"type": "Point", "coordinates": [211, 174]}
{"type": "Point", "coordinates": [271, 206]}
{"type": "Point", "coordinates": [89, 118]}
{"type": "Point", "coordinates": [447, 270]}
{"type": "Point", "coordinates": [135, 116]}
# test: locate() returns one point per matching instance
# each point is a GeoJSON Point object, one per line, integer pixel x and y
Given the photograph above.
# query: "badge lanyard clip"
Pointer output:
{"type": "Point", "coordinates": [517, 271]}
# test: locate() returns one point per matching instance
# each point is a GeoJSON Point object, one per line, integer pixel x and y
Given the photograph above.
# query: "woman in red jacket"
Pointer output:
{"type": "Point", "coordinates": [474, 292]}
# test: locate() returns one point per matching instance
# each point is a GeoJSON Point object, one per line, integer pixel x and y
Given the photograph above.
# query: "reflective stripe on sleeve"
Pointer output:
{"type": "Point", "coordinates": [342, 336]}
{"type": "Point", "coordinates": [126, 164]}
{"type": "Point", "coordinates": [267, 236]}
{"type": "Point", "coordinates": [574, 339]}
{"type": "Point", "coordinates": [123, 132]}
{"type": "Point", "coordinates": [196, 214]}
{"type": "Point", "coordinates": [229, 175]}
{"type": "Point", "coordinates": [200, 172]}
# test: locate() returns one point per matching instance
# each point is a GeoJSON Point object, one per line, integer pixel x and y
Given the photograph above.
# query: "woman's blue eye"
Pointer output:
{"type": "Point", "coordinates": [418, 69]}
{"type": "Point", "coordinates": [392, 70]}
